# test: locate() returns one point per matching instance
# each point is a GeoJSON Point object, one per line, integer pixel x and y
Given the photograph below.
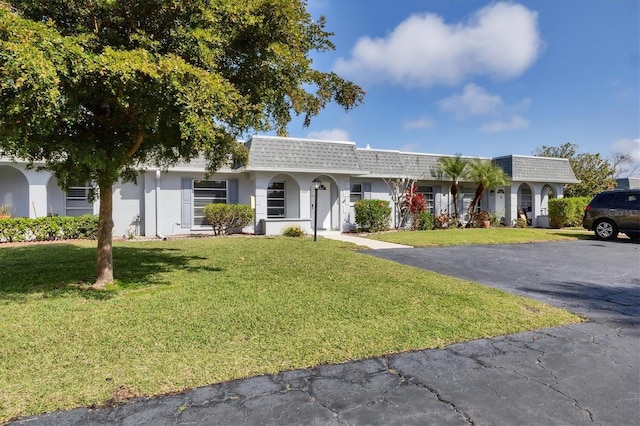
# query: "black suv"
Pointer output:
{"type": "Point", "coordinates": [614, 211]}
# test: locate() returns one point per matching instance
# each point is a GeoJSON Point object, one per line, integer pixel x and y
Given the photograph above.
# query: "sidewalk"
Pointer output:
{"type": "Point", "coordinates": [366, 242]}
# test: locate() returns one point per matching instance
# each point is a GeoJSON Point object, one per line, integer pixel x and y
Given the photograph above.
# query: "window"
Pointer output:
{"type": "Point", "coordinates": [525, 198]}
{"type": "Point", "coordinates": [207, 192]}
{"type": "Point", "coordinates": [427, 191]}
{"type": "Point", "coordinates": [356, 192]}
{"type": "Point", "coordinates": [76, 201]}
{"type": "Point", "coordinates": [276, 200]}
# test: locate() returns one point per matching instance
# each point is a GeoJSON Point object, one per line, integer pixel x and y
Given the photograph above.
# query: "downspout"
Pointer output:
{"type": "Point", "coordinates": [158, 234]}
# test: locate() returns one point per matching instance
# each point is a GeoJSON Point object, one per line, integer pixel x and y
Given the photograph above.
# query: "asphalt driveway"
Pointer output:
{"type": "Point", "coordinates": [599, 280]}
{"type": "Point", "coordinates": [581, 374]}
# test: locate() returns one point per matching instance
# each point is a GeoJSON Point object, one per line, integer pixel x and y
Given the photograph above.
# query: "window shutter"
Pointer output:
{"type": "Point", "coordinates": [366, 189]}
{"type": "Point", "coordinates": [437, 199]}
{"type": "Point", "coordinates": [187, 193]}
{"type": "Point", "coordinates": [232, 191]}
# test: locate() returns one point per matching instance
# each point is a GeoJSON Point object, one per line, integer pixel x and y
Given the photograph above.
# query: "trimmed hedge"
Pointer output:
{"type": "Point", "coordinates": [372, 215]}
{"type": "Point", "coordinates": [48, 228]}
{"type": "Point", "coordinates": [228, 218]}
{"type": "Point", "coordinates": [567, 211]}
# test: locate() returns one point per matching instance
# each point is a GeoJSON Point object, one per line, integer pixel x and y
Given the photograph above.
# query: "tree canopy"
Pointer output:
{"type": "Point", "coordinates": [98, 89]}
{"type": "Point", "coordinates": [455, 168]}
{"type": "Point", "coordinates": [487, 175]}
{"type": "Point", "coordinates": [594, 172]}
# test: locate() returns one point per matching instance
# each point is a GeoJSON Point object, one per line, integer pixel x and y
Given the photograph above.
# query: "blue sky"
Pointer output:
{"type": "Point", "coordinates": [484, 78]}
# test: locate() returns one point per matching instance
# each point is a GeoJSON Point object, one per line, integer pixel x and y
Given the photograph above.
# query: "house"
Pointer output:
{"type": "Point", "coordinates": [279, 182]}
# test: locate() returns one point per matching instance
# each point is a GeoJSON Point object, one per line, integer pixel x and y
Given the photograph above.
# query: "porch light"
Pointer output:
{"type": "Point", "coordinates": [317, 185]}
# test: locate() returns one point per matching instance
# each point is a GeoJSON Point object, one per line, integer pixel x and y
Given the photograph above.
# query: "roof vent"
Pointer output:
{"type": "Point", "coordinates": [368, 147]}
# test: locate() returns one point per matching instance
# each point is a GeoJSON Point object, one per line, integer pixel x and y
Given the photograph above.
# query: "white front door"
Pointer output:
{"type": "Point", "coordinates": [324, 206]}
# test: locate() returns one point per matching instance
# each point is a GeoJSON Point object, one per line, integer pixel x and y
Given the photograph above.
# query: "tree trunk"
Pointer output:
{"type": "Point", "coordinates": [104, 263]}
{"type": "Point", "coordinates": [454, 194]}
{"type": "Point", "coordinates": [476, 200]}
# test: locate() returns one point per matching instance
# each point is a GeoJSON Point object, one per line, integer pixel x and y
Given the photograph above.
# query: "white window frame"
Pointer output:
{"type": "Point", "coordinates": [78, 195]}
{"type": "Point", "coordinates": [359, 194]}
{"type": "Point", "coordinates": [429, 197]}
{"type": "Point", "coordinates": [203, 195]}
{"type": "Point", "coordinates": [271, 190]}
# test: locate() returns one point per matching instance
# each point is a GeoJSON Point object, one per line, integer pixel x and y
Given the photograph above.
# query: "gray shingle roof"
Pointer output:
{"type": "Point", "coordinates": [379, 163]}
{"type": "Point", "coordinates": [537, 169]}
{"type": "Point", "coordinates": [294, 154]}
{"type": "Point", "coordinates": [419, 166]}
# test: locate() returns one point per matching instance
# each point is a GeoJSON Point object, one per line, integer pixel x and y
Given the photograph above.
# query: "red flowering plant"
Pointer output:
{"type": "Point", "coordinates": [414, 203]}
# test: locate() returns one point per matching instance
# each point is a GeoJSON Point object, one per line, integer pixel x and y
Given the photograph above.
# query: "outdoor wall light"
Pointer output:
{"type": "Point", "coordinates": [317, 185]}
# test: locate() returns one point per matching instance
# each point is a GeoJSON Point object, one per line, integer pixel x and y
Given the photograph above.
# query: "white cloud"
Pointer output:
{"type": "Point", "coordinates": [420, 123]}
{"type": "Point", "coordinates": [329, 134]}
{"type": "Point", "coordinates": [627, 146]}
{"type": "Point", "coordinates": [515, 123]}
{"type": "Point", "coordinates": [500, 40]}
{"type": "Point", "coordinates": [473, 100]}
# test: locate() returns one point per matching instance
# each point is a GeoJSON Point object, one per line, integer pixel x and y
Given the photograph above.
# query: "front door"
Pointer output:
{"type": "Point", "coordinates": [324, 206]}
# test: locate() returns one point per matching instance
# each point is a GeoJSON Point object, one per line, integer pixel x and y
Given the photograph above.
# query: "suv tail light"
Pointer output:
{"type": "Point", "coordinates": [586, 209]}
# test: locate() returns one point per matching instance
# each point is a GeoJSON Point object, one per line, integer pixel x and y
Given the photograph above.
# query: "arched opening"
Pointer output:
{"type": "Point", "coordinates": [547, 193]}
{"type": "Point", "coordinates": [525, 202]}
{"type": "Point", "coordinates": [14, 191]}
{"type": "Point", "coordinates": [283, 197]}
{"type": "Point", "coordinates": [328, 204]}
{"type": "Point", "coordinates": [55, 198]}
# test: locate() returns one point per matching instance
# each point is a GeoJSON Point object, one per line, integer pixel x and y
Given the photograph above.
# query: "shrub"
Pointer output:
{"type": "Point", "coordinates": [521, 223]}
{"type": "Point", "coordinates": [414, 203]}
{"type": "Point", "coordinates": [293, 231]}
{"type": "Point", "coordinates": [48, 228]}
{"type": "Point", "coordinates": [227, 218]}
{"type": "Point", "coordinates": [372, 215]}
{"type": "Point", "coordinates": [442, 220]}
{"type": "Point", "coordinates": [426, 221]}
{"type": "Point", "coordinates": [567, 211]}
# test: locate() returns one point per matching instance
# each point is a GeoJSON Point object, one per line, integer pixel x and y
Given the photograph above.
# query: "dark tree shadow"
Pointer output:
{"type": "Point", "coordinates": [600, 303]}
{"type": "Point", "coordinates": [58, 270]}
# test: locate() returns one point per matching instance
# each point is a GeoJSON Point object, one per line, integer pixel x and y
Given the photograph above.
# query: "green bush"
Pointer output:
{"type": "Point", "coordinates": [227, 218]}
{"type": "Point", "coordinates": [293, 231]}
{"type": "Point", "coordinates": [48, 228]}
{"type": "Point", "coordinates": [567, 211]}
{"type": "Point", "coordinates": [426, 221]}
{"type": "Point", "coordinates": [372, 215]}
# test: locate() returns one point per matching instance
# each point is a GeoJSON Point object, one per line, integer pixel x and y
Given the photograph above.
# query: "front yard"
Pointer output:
{"type": "Point", "coordinates": [192, 312]}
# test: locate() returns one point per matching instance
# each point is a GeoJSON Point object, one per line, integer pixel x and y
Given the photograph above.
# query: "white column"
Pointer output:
{"type": "Point", "coordinates": [37, 192]}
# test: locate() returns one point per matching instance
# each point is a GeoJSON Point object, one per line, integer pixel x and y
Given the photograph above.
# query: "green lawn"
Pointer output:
{"type": "Point", "coordinates": [466, 236]}
{"type": "Point", "coordinates": [192, 312]}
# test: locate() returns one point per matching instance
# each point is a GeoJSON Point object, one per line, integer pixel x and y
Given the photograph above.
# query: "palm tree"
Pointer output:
{"type": "Point", "coordinates": [456, 169]}
{"type": "Point", "coordinates": [488, 176]}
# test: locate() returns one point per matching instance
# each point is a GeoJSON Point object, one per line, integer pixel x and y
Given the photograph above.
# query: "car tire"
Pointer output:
{"type": "Point", "coordinates": [605, 230]}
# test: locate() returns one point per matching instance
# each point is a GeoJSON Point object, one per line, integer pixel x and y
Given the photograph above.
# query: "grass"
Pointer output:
{"type": "Point", "coordinates": [193, 312]}
{"type": "Point", "coordinates": [464, 236]}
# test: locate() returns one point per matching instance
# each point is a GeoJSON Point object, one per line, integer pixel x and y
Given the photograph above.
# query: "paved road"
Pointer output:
{"type": "Point", "coordinates": [584, 374]}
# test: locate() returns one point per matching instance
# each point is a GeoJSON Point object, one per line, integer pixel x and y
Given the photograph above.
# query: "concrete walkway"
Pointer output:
{"type": "Point", "coordinates": [365, 242]}
{"type": "Point", "coordinates": [581, 374]}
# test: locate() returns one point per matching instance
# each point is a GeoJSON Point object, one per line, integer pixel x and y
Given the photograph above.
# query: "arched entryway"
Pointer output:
{"type": "Point", "coordinates": [525, 202]}
{"type": "Point", "coordinates": [547, 193]}
{"type": "Point", "coordinates": [14, 191]}
{"type": "Point", "coordinates": [283, 197]}
{"type": "Point", "coordinates": [327, 203]}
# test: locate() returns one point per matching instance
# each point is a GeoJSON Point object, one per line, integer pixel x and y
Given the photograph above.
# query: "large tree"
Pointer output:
{"type": "Point", "coordinates": [98, 89]}
{"type": "Point", "coordinates": [594, 172]}
{"type": "Point", "coordinates": [455, 168]}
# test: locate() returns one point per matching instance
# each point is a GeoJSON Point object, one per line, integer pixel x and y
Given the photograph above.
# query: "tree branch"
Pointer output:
{"type": "Point", "coordinates": [134, 148]}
